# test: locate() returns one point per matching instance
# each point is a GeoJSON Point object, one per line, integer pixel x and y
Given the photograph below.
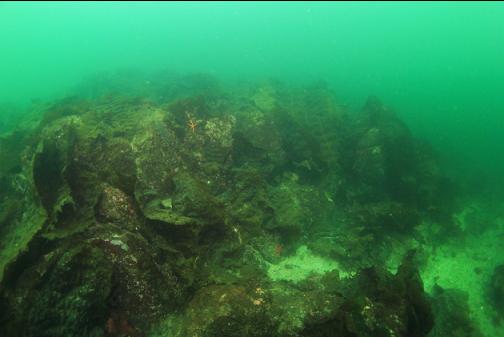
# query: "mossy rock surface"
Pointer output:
{"type": "Point", "coordinates": [265, 210]}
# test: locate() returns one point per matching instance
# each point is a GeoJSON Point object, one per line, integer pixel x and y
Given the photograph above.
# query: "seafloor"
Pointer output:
{"type": "Point", "coordinates": [176, 206]}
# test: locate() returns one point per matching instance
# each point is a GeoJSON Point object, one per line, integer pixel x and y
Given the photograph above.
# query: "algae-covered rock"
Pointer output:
{"type": "Point", "coordinates": [374, 303]}
{"type": "Point", "coordinates": [496, 289]}
{"type": "Point", "coordinates": [157, 161]}
{"type": "Point", "coordinates": [20, 222]}
{"type": "Point", "coordinates": [382, 150]}
{"type": "Point", "coordinates": [265, 97]}
{"type": "Point", "coordinates": [21, 213]}
{"type": "Point", "coordinates": [452, 314]}
{"type": "Point", "coordinates": [211, 214]}
{"type": "Point", "coordinates": [295, 208]}
{"type": "Point", "coordinates": [379, 304]}
{"type": "Point", "coordinates": [12, 146]}
{"type": "Point", "coordinates": [257, 138]}
{"type": "Point", "coordinates": [50, 163]}
{"type": "Point", "coordinates": [250, 206]}
{"type": "Point", "coordinates": [189, 203]}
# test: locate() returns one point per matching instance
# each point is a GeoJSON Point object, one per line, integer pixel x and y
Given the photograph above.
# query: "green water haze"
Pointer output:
{"type": "Point", "coordinates": [439, 64]}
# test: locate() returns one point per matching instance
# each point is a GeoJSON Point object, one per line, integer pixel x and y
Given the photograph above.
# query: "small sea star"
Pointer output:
{"type": "Point", "coordinates": [192, 125]}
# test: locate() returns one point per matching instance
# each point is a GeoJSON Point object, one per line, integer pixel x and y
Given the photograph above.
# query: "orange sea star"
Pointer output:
{"type": "Point", "coordinates": [192, 125]}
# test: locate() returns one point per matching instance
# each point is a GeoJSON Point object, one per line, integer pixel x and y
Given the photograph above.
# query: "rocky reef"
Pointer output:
{"type": "Point", "coordinates": [199, 210]}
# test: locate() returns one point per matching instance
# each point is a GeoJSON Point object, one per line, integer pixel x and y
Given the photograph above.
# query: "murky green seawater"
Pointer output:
{"type": "Point", "coordinates": [232, 169]}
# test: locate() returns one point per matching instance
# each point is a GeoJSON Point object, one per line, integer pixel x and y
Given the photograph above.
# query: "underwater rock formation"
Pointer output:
{"type": "Point", "coordinates": [496, 290]}
{"type": "Point", "coordinates": [452, 315]}
{"type": "Point", "coordinates": [121, 214]}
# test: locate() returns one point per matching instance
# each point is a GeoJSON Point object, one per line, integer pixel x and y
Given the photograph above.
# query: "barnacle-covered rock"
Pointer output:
{"type": "Point", "coordinates": [227, 311]}
{"type": "Point", "coordinates": [90, 285]}
{"type": "Point", "coordinates": [117, 207]}
{"type": "Point", "coordinates": [219, 142]}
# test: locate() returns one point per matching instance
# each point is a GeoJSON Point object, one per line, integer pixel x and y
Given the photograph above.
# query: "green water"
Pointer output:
{"type": "Point", "coordinates": [439, 66]}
